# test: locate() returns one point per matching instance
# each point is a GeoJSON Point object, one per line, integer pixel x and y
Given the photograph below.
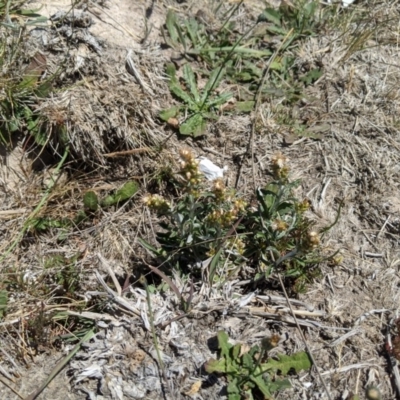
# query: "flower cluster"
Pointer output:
{"type": "Point", "coordinates": [157, 203]}
{"type": "Point", "coordinates": [279, 225]}
{"type": "Point", "coordinates": [313, 239]}
{"type": "Point", "coordinates": [303, 206]}
{"type": "Point", "coordinates": [227, 217]}
{"type": "Point", "coordinates": [280, 169]}
{"type": "Point", "coordinates": [189, 167]}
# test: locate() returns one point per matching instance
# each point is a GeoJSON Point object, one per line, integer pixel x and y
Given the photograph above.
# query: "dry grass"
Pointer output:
{"type": "Point", "coordinates": [345, 314]}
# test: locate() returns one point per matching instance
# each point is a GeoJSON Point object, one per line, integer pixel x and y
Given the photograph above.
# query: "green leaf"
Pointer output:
{"type": "Point", "coordinates": [190, 80]}
{"type": "Point", "coordinates": [194, 126]}
{"type": "Point", "coordinates": [165, 115]}
{"type": "Point", "coordinates": [245, 106]}
{"type": "Point", "coordinates": [171, 26]}
{"type": "Point", "coordinates": [3, 302]}
{"type": "Point", "coordinates": [126, 192]}
{"type": "Point", "coordinates": [262, 383]}
{"type": "Point", "coordinates": [276, 30]}
{"type": "Point", "coordinates": [248, 361]}
{"type": "Point", "coordinates": [181, 36]}
{"type": "Point", "coordinates": [311, 76]}
{"type": "Point", "coordinates": [279, 384]}
{"type": "Point", "coordinates": [223, 344]}
{"type": "Point", "coordinates": [233, 390]}
{"type": "Point", "coordinates": [192, 27]}
{"type": "Point", "coordinates": [153, 250]}
{"type": "Point", "coordinates": [43, 89]}
{"type": "Point", "coordinates": [213, 81]}
{"type": "Point", "coordinates": [214, 264]}
{"type": "Point", "coordinates": [238, 50]}
{"type": "Point", "coordinates": [283, 363]}
{"type": "Point", "coordinates": [270, 15]}
{"type": "Point", "coordinates": [91, 201]}
{"type": "Point", "coordinates": [221, 99]}
{"type": "Point", "coordinates": [176, 88]}
{"type": "Point", "coordinates": [218, 366]}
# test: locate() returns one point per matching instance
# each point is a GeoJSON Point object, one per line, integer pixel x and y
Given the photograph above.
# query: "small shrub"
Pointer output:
{"type": "Point", "coordinates": [211, 225]}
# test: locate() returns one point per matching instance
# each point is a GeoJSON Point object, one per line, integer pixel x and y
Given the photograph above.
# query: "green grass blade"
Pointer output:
{"type": "Point", "coordinates": [215, 78]}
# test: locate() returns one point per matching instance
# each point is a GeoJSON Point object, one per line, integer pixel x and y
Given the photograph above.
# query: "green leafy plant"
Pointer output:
{"type": "Point", "coordinates": [210, 225]}
{"type": "Point", "coordinates": [251, 372]}
{"type": "Point", "coordinates": [198, 106]}
{"type": "Point", "coordinates": [92, 202]}
{"type": "Point", "coordinates": [194, 39]}
{"type": "Point", "coordinates": [196, 226]}
{"type": "Point", "coordinates": [66, 273]}
{"type": "Point", "coordinates": [261, 60]}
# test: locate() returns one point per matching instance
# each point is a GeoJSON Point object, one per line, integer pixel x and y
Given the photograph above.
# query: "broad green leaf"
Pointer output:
{"type": "Point", "coordinates": [194, 126]}
{"type": "Point", "coordinates": [37, 21]}
{"type": "Point", "coordinates": [248, 361]}
{"type": "Point", "coordinates": [190, 80]}
{"type": "Point", "coordinates": [39, 134]}
{"type": "Point", "coordinates": [276, 66]}
{"type": "Point", "coordinates": [192, 27]}
{"type": "Point", "coordinates": [165, 115]}
{"type": "Point", "coordinates": [283, 363]}
{"type": "Point", "coordinates": [309, 9]}
{"type": "Point", "coordinates": [43, 89]}
{"type": "Point", "coordinates": [91, 201]}
{"type": "Point", "coordinates": [276, 30]}
{"type": "Point", "coordinates": [214, 264]}
{"type": "Point", "coordinates": [238, 49]}
{"type": "Point", "coordinates": [171, 26]}
{"type": "Point", "coordinates": [245, 106]}
{"type": "Point", "coordinates": [223, 344]}
{"type": "Point", "coordinates": [3, 302]}
{"type": "Point", "coordinates": [219, 100]}
{"type": "Point", "coordinates": [270, 15]}
{"type": "Point", "coordinates": [126, 192]}
{"type": "Point", "coordinates": [176, 88]}
{"type": "Point", "coordinates": [262, 384]}
{"type": "Point", "coordinates": [181, 36]}
{"type": "Point", "coordinates": [279, 384]}
{"type": "Point", "coordinates": [311, 76]}
{"type": "Point", "coordinates": [212, 366]}
{"type": "Point", "coordinates": [236, 351]}
{"type": "Point", "coordinates": [233, 390]}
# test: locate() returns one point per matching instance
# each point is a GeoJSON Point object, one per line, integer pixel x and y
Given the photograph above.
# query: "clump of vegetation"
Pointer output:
{"type": "Point", "coordinates": [91, 203]}
{"type": "Point", "coordinates": [252, 371]}
{"type": "Point", "coordinates": [211, 226]}
{"type": "Point", "coordinates": [21, 79]}
{"type": "Point", "coordinates": [199, 106]}
{"type": "Point", "coordinates": [267, 48]}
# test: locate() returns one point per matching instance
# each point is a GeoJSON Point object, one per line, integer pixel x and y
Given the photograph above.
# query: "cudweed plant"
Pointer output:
{"type": "Point", "coordinates": [282, 239]}
{"type": "Point", "coordinates": [195, 225]}
{"type": "Point", "coordinates": [209, 221]}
